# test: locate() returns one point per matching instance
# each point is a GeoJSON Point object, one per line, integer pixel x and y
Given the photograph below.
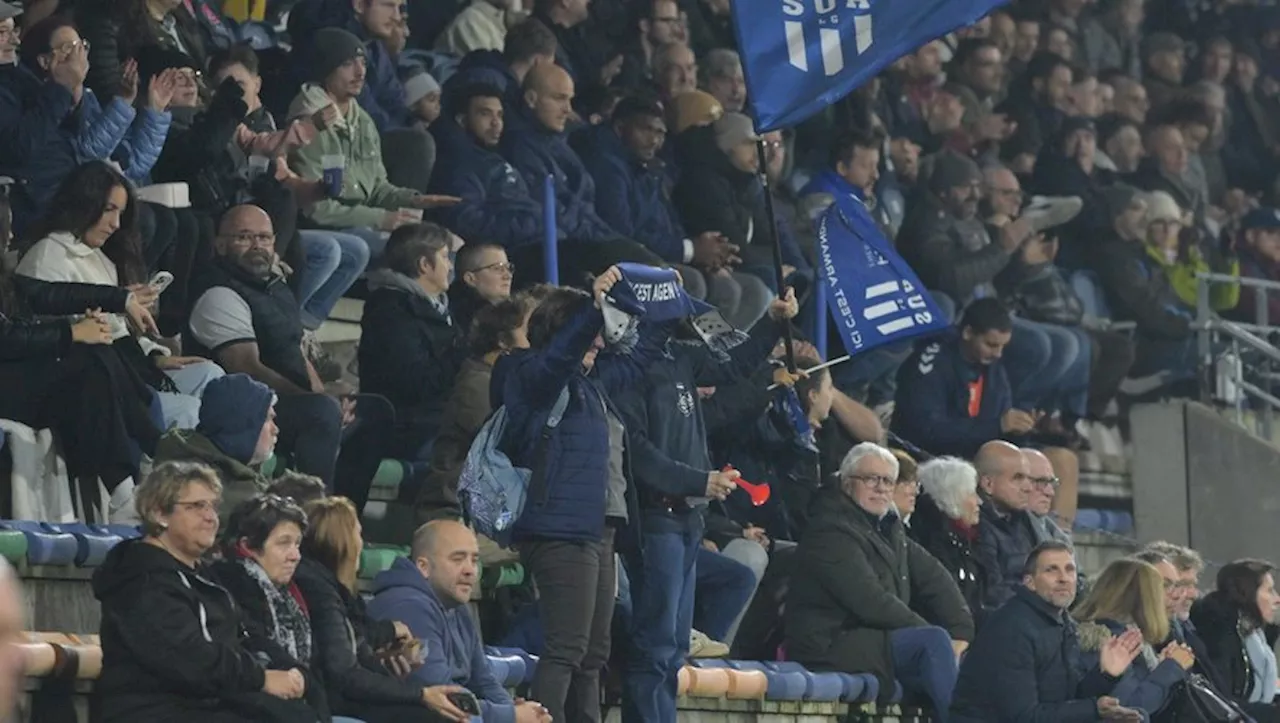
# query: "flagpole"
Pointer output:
{"type": "Point", "coordinates": [788, 342]}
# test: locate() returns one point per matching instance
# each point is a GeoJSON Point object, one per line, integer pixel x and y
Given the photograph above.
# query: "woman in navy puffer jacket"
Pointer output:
{"type": "Point", "coordinates": [580, 492]}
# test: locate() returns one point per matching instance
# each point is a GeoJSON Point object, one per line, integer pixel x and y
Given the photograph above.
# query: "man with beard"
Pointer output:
{"type": "Point", "coordinates": [1029, 645]}
{"type": "Point", "coordinates": [247, 319]}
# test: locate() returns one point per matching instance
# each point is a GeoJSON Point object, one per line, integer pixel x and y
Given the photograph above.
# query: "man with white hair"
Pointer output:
{"type": "Point", "coordinates": [1044, 487]}
{"type": "Point", "coordinates": [863, 593]}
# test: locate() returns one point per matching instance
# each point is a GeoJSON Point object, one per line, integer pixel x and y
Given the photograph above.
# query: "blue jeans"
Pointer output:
{"type": "Point", "coordinates": [182, 409]}
{"type": "Point", "coordinates": [662, 587]}
{"type": "Point", "coordinates": [375, 239]}
{"type": "Point", "coordinates": [334, 260]}
{"type": "Point", "coordinates": [925, 664]}
{"type": "Point", "coordinates": [1048, 368]}
{"type": "Point", "coordinates": [724, 587]}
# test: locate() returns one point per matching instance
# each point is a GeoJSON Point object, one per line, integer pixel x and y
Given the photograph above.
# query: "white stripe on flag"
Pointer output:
{"type": "Point", "coordinates": [832, 52]}
{"type": "Point", "coordinates": [887, 287]}
{"type": "Point", "coordinates": [862, 31]}
{"type": "Point", "coordinates": [896, 325]}
{"type": "Point", "coordinates": [795, 45]}
{"type": "Point", "coordinates": [878, 310]}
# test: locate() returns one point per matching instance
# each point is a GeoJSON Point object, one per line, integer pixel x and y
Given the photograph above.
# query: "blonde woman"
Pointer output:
{"type": "Point", "coordinates": [1129, 594]}
{"type": "Point", "coordinates": [348, 645]}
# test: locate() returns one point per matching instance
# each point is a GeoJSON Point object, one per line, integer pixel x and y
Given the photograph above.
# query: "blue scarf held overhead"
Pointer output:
{"type": "Point", "coordinates": [655, 295]}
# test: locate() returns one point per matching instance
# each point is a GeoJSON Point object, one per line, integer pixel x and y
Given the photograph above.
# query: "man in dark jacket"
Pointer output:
{"type": "Point", "coordinates": [429, 592]}
{"type": "Point", "coordinates": [865, 598]}
{"type": "Point", "coordinates": [410, 349]}
{"type": "Point", "coordinates": [1025, 666]}
{"type": "Point", "coordinates": [1006, 534]}
{"type": "Point", "coordinates": [1181, 630]}
{"type": "Point", "coordinates": [497, 204]}
{"type": "Point", "coordinates": [953, 395]}
{"type": "Point", "coordinates": [673, 471]}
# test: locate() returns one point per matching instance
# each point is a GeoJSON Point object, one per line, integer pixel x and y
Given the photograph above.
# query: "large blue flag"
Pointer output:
{"type": "Point", "coordinates": [873, 294]}
{"type": "Point", "coordinates": [800, 56]}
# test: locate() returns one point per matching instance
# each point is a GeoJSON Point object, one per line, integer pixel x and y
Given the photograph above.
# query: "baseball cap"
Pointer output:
{"type": "Point", "coordinates": [1264, 218]}
{"type": "Point", "coordinates": [733, 129]}
{"type": "Point", "coordinates": [9, 10]}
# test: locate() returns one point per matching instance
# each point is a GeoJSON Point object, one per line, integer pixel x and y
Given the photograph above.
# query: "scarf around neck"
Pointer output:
{"type": "Point", "coordinates": [655, 295]}
{"type": "Point", "coordinates": [290, 625]}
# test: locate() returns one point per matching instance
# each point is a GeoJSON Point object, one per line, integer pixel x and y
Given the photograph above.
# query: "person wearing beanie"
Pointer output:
{"type": "Point", "coordinates": [482, 25]}
{"type": "Point", "coordinates": [719, 190]}
{"type": "Point", "coordinates": [367, 204]}
{"type": "Point", "coordinates": [236, 434]}
{"type": "Point", "coordinates": [1164, 62]}
{"type": "Point", "coordinates": [422, 92]}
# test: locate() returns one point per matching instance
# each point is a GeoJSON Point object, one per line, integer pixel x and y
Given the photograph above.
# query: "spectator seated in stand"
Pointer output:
{"type": "Point", "coordinates": [1025, 663]}
{"type": "Point", "coordinates": [90, 236]}
{"type": "Point", "coordinates": [361, 201]}
{"type": "Point", "coordinates": [410, 348]}
{"type": "Point", "coordinates": [1007, 533]}
{"type": "Point", "coordinates": [429, 592]}
{"type": "Point", "coordinates": [719, 190]}
{"type": "Point", "coordinates": [249, 320]}
{"type": "Point", "coordinates": [482, 276]}
{"type": "Point", "coordinates": [634, 193]}
{"type": "Point", "coordinates": [496, 330]}
{"type": "Point", "coordinates": [1236, 621]}
{"type": "Point", "coordinates": [945, 524]}
{"type": "Point", "coordinates": [60, 123]}
{"type": "Point", "coordinates": [865, 598]}
{"type": "Point", "coordinates": [1044, 488]}
{"type": "Point", "coordinates": [260, 554]}
{"type": "Point", "coordinates": [172, 642]}
{"type": "Point", "coordinates": [236, 434]}
{"type": "Point", "coordinates": [1259, 248]}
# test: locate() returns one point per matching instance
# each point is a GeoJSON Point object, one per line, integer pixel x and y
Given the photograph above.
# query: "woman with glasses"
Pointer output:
{"type": "Point", "coordinates": [172, 648]}
{"type": "Point", "coordinates": [865, 598]}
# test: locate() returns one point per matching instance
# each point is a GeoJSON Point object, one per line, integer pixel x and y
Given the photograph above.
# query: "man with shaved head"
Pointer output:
{"type": "Point", "coordinates": [429, 592]}
{"type": "Point", "coordinates": [247, 319]}
{"type": "Point", "coordinates": [1044, 488]}
{"type": "Point", "coordinates": [1006, 534]}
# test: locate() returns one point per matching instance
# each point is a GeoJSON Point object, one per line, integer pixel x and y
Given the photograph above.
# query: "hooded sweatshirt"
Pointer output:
{"type": "Point", "coordinates": [191, 631]}
{"type": "Point", "coordinates": [455, 654]}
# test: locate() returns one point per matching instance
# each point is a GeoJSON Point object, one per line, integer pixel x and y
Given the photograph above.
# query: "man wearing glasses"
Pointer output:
{"type": "Point", "coordinates": [9, 33]}
{"type": "Point", "coordinates": [865, 598]}
{"type": "Point", "coordinates": [1044, 487]}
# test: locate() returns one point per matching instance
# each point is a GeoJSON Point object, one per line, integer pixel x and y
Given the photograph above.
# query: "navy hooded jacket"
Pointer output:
{"type": "Point", "coordinates": [496, 205]}
{"type": "Point", "coordinates": [233, 409]}
{"type": "Point", "coordinates": [536, 153]}
{"type": "Point", "coordinates": [455, 653]}
{"type": "Point", "coordinates": [566, 500]}
{"type": "Point", "coordinates": [933, 400]}
{"type": "Point", "coordinates": [631, 197]}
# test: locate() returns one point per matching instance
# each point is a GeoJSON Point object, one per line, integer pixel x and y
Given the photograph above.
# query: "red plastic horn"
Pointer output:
{"type": "Point", "coordinates": [758, 492]}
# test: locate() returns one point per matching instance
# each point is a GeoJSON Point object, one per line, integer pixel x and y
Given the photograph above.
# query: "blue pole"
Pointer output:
{"type": "Point", "coordinates": [820, 313]}
{"type": "Point", "coordinates": [550, 252]}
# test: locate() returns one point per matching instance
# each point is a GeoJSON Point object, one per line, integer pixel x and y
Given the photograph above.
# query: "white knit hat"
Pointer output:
{"type": "Point", "coordinates": [419, 85]}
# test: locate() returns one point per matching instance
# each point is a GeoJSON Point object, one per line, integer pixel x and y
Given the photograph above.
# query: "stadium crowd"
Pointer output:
{"type": "Point", "coordinates": [194, 185]}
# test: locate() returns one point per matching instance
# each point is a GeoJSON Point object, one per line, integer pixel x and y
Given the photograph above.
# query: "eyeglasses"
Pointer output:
{"type": "Point", "coordinates": [875, 480]}
{"type": "Point", "coordinates": [1046, 481]}
{"type": "Point", "coordinates": [252, 239]}
{"type": "Point", "coordinates": [508, 267]}
{"type": "Point", "coordinates": [201, 506]}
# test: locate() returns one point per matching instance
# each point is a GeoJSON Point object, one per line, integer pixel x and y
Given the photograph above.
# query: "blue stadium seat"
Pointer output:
{"type": "Point", "coordinates": [93, 541]}
{"type": "Point", "coordinates": [125, 532]}
{"type": "Point", "coordinates": [530, 661]}
{"type": "Point", "coordinates": [712, 663]}
{"type": "Point", "coordinates": [46, 545]}
{"type": "Point", "coordinates": [507, 668]}
{"type": "Point", "coordinates": [818, 686]}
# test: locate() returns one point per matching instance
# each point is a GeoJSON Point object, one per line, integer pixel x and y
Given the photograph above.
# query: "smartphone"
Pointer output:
{"type": "Point", "coordinates": [160, 281]}
{"type": "Point", "coordinates": [465, 702]}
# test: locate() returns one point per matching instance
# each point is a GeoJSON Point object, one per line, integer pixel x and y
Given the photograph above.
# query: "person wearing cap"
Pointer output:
{"type": "Point", "coordinates": [1164, 61]}
{"type": "Point", "coordinates": [236, 434]}
{"type": "Point", "coordinates": [631, 193]}
{"type": "Point", "coordinates": [422, 93]}
{"type": "Point", "coordinates": [367, 205]}
{"type": "Point", "coordinates": [719, 190]}
{"type": "Point", "coordinates": [482, 25]}
{"type": "Point", "coordinates": [1259, 247]}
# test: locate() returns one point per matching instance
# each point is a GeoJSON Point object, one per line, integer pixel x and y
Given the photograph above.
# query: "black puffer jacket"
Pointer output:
{"type": "Point", "coordinates": [1218, 624]}
{"type": "Point", "coordinates": [939, 535]}
{"type": "Point", "coordinates": [171, 647]}
{"type": "Point", "coordinates": [345, 640]}
{"type": "Point", "coordinates": [23, 338]}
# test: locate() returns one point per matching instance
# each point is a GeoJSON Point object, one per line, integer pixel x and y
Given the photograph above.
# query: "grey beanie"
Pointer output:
{"type": "Point", "coordinates": [950, 170]}
{"type": "Point", "coordinates": [1118, 199]}
{"type": "Point", "coordinates": [333, 47]}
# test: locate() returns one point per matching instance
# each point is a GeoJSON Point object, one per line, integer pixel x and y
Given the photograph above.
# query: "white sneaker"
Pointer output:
{"type": "Point", "coordinates": [121, 509]}
{"type": "Point", "coordinates": [1045, 212]}
{"type": "Point", "coordinates": [701, 646]}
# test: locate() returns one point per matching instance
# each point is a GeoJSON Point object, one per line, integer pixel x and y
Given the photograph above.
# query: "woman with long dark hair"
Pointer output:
{"type": "Point", "coordinates": [63, 373]}
{"type": "Point", "coordinates": [1237, 623]}
{"type": "Point", "coordinates": [90, 235]}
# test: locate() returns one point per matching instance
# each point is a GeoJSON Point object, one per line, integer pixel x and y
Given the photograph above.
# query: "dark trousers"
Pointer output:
{"type": "Point", "coordinates": [724, 587]}
{"type": "Point", "coordinates": [662, 587]}
{"type": "Point", "coordinates": [579, 260]}
{"type": "Point", "coordinates": [575, 582]}
{"type": "Point", "coordinates": [1112, 357]}
{"type": "Point", "coordinates": [181, 244]}
{"type": "Point", "coordinates": [312, 436]}
{"type": "Point", "coordinates": [925, 663]}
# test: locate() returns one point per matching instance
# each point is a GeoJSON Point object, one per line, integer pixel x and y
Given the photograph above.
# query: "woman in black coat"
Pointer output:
{"type": "Point", "coordinates": [945, 523]}
{"type": "Point", "coordinates": [261, 550]}
{"type": "Point", "coordinates": [1236, 623]}
{"type": "Point", "coordinates": [171, 637]}
{"type": "Point", "coordinates": [354, 651]}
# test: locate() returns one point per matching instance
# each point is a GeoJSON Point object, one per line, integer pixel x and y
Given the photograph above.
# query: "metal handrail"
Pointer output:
{"type": "Point", "coordinates": [1239, 336]}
